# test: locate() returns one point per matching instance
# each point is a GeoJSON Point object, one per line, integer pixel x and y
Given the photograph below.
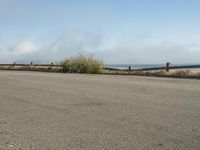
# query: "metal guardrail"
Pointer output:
{"type": "Point", "coordinates": [171, 67]}
{"type": "Point", "coordinates": [36, 65]}
{"type": "Point", "coordinates": [167, 68]}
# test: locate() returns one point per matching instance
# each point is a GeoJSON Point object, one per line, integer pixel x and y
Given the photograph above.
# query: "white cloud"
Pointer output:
{"type": "Point", "coordinates": [146, 52]}
{"type": "Point", "coordinates": [24, 47]}
{"type": "Point", "coordinates": [19, 50]}
{"type": "Point", "coordinates": [111, 50]}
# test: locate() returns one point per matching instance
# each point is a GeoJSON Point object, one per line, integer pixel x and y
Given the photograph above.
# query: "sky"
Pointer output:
{"type": "Point", "coordinates": [116, 31]}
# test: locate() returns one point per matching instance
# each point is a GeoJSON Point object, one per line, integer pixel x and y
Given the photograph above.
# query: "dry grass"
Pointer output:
{"type": "Point", "coordinates": [173, 73]}
{"type": "Point", "coordinates": [87, 64]}
{"type": "Point", "coordinates": [31, 68]}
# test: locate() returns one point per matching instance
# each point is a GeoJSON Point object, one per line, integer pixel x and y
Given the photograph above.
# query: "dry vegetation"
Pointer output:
{"type": "Point", "coordinates": [90, 65]}
{"type": "Point", "coordinates": [175, 73]}
{"type": "Point", "coordinates": [31, 68]}
{"type": "Point", "coordinates": [82, 64]}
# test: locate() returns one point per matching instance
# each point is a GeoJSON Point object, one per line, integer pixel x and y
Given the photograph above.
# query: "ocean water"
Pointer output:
{"type": "Point", "coordinates": [137, 66]}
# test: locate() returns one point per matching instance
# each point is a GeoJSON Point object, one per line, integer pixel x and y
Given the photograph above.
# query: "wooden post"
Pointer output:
{"type": "Point", "coordinates": [129, 68]}
{"type": "Point", "coordinates": [14, 64]}
{"type": "Point", "coordinates": [167, 66]}
{"type": "Point", "coordinates": [51, 65]}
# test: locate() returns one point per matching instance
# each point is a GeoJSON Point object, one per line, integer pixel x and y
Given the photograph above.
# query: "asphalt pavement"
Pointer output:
{"type": "Point", "coordinates": [54, 111]}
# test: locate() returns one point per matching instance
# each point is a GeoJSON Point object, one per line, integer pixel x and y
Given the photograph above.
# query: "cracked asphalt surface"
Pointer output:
{"type": "Point", "coordinates": [51, 111]}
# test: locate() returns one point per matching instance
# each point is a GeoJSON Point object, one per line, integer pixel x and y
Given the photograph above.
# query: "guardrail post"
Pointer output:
{"type": "Point", "coordinates": [167, 66]}
{"type": "Point", "coordinates": [129, 68]}
{"type": "Point", "coordinates": [51, 66]}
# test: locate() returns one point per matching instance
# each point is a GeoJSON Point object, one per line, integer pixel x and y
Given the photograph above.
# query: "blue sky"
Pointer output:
{"type": "Point", "coordinates": [117, 31]}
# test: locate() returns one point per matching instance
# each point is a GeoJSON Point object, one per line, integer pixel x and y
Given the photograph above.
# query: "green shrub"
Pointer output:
{"type": "Point", "coordinates": [82, 64]}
